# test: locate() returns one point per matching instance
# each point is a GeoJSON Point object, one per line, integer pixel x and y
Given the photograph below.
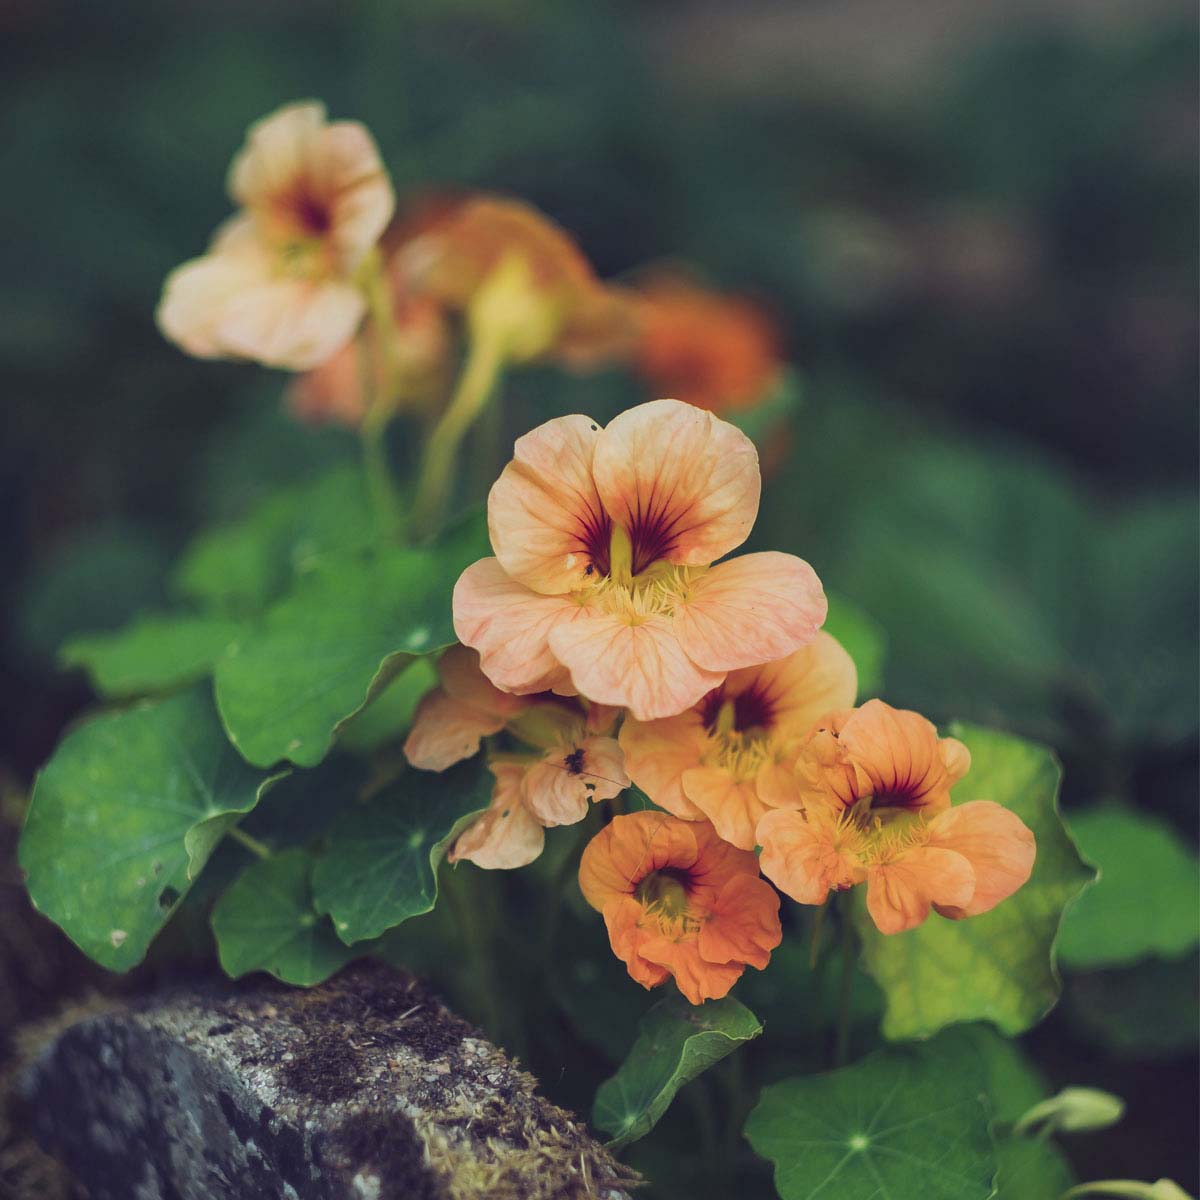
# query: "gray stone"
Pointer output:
{"type": "Point", "coordinates": [366, 1088]}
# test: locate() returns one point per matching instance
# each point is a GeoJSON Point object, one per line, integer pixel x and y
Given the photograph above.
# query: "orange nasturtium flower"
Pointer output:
{"type": "Point", "coordinates": [876, 786]}
{"type": "Point", "coordinates": [602, 583]}
{"type": "Point", "coordinates": [715, 351]}
{"type": "Point", "coordinates": [522, 282]}
{"type": "Point", "coordinates": [732, 756]}
{"type": "Point", "coordinates": [567, 758]}
{"type": "Point", "coordinates": [677, 900]}
{"type": "Point", "coordinates": [278, 283]}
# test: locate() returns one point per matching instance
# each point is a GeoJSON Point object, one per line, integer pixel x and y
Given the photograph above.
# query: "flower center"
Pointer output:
{"type": "Point", "coordinates": [664, 893]}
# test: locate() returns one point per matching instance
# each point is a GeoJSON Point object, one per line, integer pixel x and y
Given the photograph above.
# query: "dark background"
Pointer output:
{"type": "Point", "coordinates": [975, 222]}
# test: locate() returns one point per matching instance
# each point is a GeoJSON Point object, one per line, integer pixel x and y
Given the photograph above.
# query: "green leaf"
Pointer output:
{"type": "Point", "coordinates": [999, 966]}
{"type": "Point", "coordinates": [1145, 898]}
{"type": "Point", "coordinates": [381, 864]}
{"type": "Point", "coordinates": [243, 566]}
{"type": "Point", "coordinates": [902, 1123]}
{"type": "Point", "coordinates": [676, 1042]}
{"type": "Point", "coordinates": [123, 817]}
{"type": "Point", "coordinates": [266, 922]}
{"type": "Point", "coordinates": [154, 654]}
{"type": "Point", "coordinates": [389, 715]}
{"type": "Point", "coordinates": [350, 626]}
{"type": "Point", "coordinates": [864, 641]}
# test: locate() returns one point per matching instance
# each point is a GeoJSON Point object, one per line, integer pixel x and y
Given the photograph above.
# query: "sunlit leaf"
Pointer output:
{"type": "Point", "coordinates": [999, 966]}
{"type": "Point", "coordinates": [154, 654]}
{"type": "Point", "coordinates": [1146, 900]}
{"type": "Point", "coordinates": [123, 817]}
{"type": "Point", "coordinates": [676, 1041]}
{"type": "Point", "coordinates": [380, 867]}
{"type": "Point", "coordinates": [266, 922]}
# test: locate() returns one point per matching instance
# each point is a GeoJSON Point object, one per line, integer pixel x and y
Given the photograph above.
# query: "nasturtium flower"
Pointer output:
{"type": "Point", "coordinates": [602, 584]}
{"type": "Point", "coordinates": [562, 757]}
{"type": "Point", "coordinates": [732, 756]}
{"type": "Point", "coordinates": [679, 901]}
{"type": "Point", "coordinates": [875, 783]}
{"type": "Point", "coordinates": [278, 283]}
{"type": "Point", "coordinates": [522, 283]}
{"type": "Point", "coordinates": [715, 351]}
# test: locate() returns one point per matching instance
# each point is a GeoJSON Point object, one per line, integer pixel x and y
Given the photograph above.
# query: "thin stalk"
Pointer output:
{"type": "Point", "coordinates": [250, 843]}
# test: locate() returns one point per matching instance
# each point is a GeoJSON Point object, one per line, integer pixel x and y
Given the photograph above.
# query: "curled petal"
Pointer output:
{"type": "Point", "coordinates": [276, 151]}
{"type": "Point", "coordinates": [349, 173]}
{"type": "Point", "coordinates": [557, 789]}
{"type": "Point", "coordinates": [956, 759]}
{"type": "Point", "coordinates": [463, 680]}
{"type": "Point", "coordinates": [445, 731]}
{"type": "Point", "coordinates": [656, 755]}
{"type": "Point", "coordinates": [639, 666]}
{"type": "Point", "coordinates": [750, 610]}
{"type": "Point", "coordinates": [510, 626]}
{"type": "Point", "coordinates": [901, 893]}
{"type": "Point", "coordinates": [622, 918]}
{"type": "Point", "coordinates": [507, 835]}
{"type": "Point", "coordinates": [806, 855]}
{"type": "Point", "coordinates": [744, 923]}
{"type": "Point", "coordinates": [628, 849]}
{"type": "Point", "coordinates": [545, 518]}
{"type": "Point", "coordinates": [696, 978]}
{"type": "Point", "coordinates": [683, 484]}
{"type": "Point", "coordinates": [732, 805]}
{"type": "Point", "coordinates": [999, 846]}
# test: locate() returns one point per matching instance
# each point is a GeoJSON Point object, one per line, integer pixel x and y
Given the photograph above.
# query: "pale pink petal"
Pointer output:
{"type": "Point", "coordinates": [956, 758]}
{"type": "Point", "coordinates": [603, 767]}
{"type": "Point", "coordinates": [641, 667]}
{"type": "Point", "coordinates": [463, 679]}
{"type": "Point", "coordinates": [744, 923]}
{"type": "Point", "coordinates": [445, 731]}
{"type": "Point", "coordinates": [510, 626]}
{"type": "Point", "coordinates": [778, 785]}
{"type": "Point", "coordinates": [507, 835]}
{"type": "Point", "coordinates": [554, 794]}
{"type": "Point", "coordinates": [807, 855]}
{"type": "Point", "coordinates": [656, 755]}
{"type": "Point", "coordinates": [683, 483]}
{"type": "Point", "coordinates": [544, 515]}
{"type": "Point", "coordinates": [999, 846]}
{"type": "Point", "coordinates": [901, 893]}
{"type": "Point", "coordinates": [275, 152]}
{"type": "Point", "coordinates": [347, 172]}
{"type": "Point", "coordinates": [731, 805]}
{"type": "Point", "coordinates": [750, 610]}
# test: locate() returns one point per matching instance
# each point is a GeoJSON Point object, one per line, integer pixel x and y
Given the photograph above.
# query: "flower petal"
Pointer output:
{"type": "Point", "coordinates": [641, 667]}
{"type": "Point", "coordinates": [750, 610]}
{"type": "Point", "coordinates": [656, 755]}
{"type": "Point", "coordinates": [683, 484]}
{"type": "Point", "coordinates": [697, 979]}
{"type": "Point", "coordinates": [445, 731]}
{"type": "Point", "coordinates": [732, 805]}
{"type": "Point", "coordinates": [807, 854]}
{"type": "Point", "coordinates": [622, 918]}
{"type": "Point", "coordinates": [626, 850]}
{"type": "Point", "coordinates": [744, 923]}
{"type": "Point", "coordinates": [275, 152]}
{"type": "Point", "coordinates": [507, 835]}
{"type": "Point", "coordinates": [348, 173]}
{"type": "Point", "coordinates": [463, 679]}
{"type": "Point", "coordinates": [900, 893]}
{"type": "Point", "coordinates": [544, 514]}
{"type": "Point", "coordinates": [999, 846]}
{"type": "Point", "coordinates": [510, 625]}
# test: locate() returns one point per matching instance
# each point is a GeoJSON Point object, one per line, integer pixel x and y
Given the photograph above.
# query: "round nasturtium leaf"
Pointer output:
{"type": "Point", "coordinates": [904, 1122]}
{"type": "Point", "coordinates": [266, 922]}
{"type": "Point", "coordinates": [123, 817]}
{"type": "Point", "coordinates": [999, 966]}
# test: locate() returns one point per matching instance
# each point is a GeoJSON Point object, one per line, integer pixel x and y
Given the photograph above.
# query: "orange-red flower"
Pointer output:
{"type": "Point", "coordinates": [602, 583]}
{"type": "Point", "coordinates": [876, 786]}
{"type": "Point", "coordinates": [715, 351]}
{"type": "Point", "coordinates": [520, 279]}
{"type": "Point", "coordinates": [678, 901]}
{"type": "Point", "coordinates": [278, 282]}
{"type": "Point", "coordinates": [732, 756]}
{"type": "Point", "coordinates": [563, 758]}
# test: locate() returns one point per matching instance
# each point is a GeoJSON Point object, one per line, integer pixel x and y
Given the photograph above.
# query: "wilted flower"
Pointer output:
{"type": "Point", "coordinates": [678, 901]}
{"type": "Point", "coordinates": [876, 786]}
{"type": "Point", "coordinates": [278, 283]}
{"type": "Point", "coordinates": [715, 351]}
{"type": "Point", "coordinates": [732, 756]}
{"type": "Point", "coordinates": [602, 583]}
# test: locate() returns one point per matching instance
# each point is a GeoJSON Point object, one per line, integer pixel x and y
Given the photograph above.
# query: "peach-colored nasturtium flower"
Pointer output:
{"type": "Point", "coordinates": [602, 583]}
{"type": "Point", "coordinates": [732, 756]}
{"type": "Point", "coordinates": [678, 901]}
{"type": "Point", "coordinates": [876, 786]}
{"type": "Point", "coordinates": [279, 282]}
{"type": "Point", "coordinates": [566, 758]}
{"type": "Point", "coordinates": [715, 351]}
{"type": "Point", "coordinates": [522, 283]}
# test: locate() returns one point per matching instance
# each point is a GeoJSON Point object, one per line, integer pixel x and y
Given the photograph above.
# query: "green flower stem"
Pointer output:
{"type": "Point", "coordinates": [249, 843]}
{"type": "Point", "coordinates": [384, 496]}
{"type": "Point", "coordinates": [480, 374]}
{"type": "Point", "coordinates": [849, 947]}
